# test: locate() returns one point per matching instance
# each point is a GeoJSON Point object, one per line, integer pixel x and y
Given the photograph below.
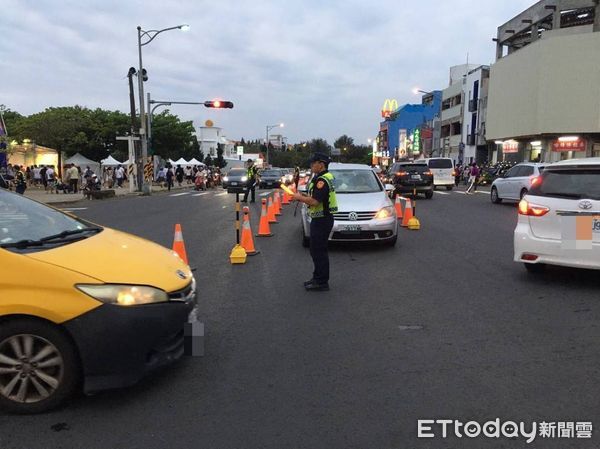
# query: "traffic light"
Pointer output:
{"type": "Point", "coordinates": [144, 75]}
{"type": "Point", "coordinates": [218, 104]}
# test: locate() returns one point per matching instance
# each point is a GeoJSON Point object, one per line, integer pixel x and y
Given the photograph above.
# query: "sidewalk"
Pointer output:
{"type": "Point", "coordinates": [38, 194]}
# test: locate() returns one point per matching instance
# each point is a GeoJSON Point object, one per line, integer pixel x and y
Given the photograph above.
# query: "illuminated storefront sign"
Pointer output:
{"type": "Point", "coordinates": [389, 106]}
{"type": "Point", "coordinates": [510, 146]}
{"type": "Point", "coordinates": [566, 144]}
{"type": "Point", "coordinates": [416, 141]}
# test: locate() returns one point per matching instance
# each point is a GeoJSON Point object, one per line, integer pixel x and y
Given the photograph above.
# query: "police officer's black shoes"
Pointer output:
{"type": "Point", "coordinates": [315, 287]}
{"type": "Point", "coordinates": [310, 281]}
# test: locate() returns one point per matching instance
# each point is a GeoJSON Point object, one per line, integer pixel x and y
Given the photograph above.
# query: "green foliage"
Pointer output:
{"type": "Point", "coordinates": [172, 138]}
{"type": "Point", "coordinates": [208, 160]}
{"type": "Point", "coordinates": [220, 160]}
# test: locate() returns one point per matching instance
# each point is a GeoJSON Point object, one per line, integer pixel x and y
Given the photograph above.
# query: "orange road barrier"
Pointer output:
{"type": "Point", "coordinates": [178, 245]}
{"type": "Point", "coordinates": [271, 211]}
{"type": "Point", "coordinates": [408, 213]}
{"type": "Point", "coordinates": [398, 206]}
{"type": "Point", "coordinates": [247, 239]}
{"type": "Point", "coordinates": [264, 229]}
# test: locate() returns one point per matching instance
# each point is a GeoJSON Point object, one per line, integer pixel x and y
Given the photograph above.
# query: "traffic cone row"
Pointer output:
{"type": "Point", "coordinates": [264, 229]}
{"type": "Point", "coordinates": [247, 240]}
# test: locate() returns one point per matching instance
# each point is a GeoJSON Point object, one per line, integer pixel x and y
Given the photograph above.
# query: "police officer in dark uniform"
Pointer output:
{"type": "Point", "coordinates": [322, 204]}
{"type": "Point", "coordinates": [251, 174]}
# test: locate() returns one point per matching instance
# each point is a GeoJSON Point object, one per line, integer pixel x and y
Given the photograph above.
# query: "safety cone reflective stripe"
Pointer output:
{"type": "Point", "coordinates": [247, 240]}
{"type": "Point", "coordinates": [271, 212]}
{"type": "Point", "coordinates": [264, 230]}
{"type": "Point", "coordinates": [277, 202]}
{"type": "Point", "coordinates": [178, 245]}
{"type": "Point", "coordinates": [398, 206]}
{"type": "Point", "coordinates": [408, 213]}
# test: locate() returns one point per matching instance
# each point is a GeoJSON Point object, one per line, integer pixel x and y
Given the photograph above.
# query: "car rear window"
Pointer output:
{"type": "Point", "coordinates": [419, 168]}
{"type": "Point", "coordinates": [440, 163]}
{"type": "Point", "coordinates": [569, 183]}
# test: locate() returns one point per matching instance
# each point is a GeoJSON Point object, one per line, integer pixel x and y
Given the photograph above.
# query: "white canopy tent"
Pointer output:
{"type": "Point", "coordinates": [111, 162]}
{"type": "Point", "coordinates": [181, 161]}
{"type": "Point", "coordinates": [195, 161]}
{"type": "Point", "coordinates": [82, 162]}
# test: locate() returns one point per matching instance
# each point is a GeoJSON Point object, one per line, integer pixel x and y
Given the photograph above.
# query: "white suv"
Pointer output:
{"type": "Point", "coordinates": [559, 219]}
{"type": "Point", "coordinates": [516, 182]}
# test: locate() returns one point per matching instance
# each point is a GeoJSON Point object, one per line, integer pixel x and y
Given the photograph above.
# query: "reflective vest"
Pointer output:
{"type": "Point", "coordinates": [251, 173]}
{"type": "Point", "coordinates": [318, 210]}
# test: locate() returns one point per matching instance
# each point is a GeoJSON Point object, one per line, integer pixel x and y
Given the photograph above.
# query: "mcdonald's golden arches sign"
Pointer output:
{"type": "Point", "coordinates": [389, 106]}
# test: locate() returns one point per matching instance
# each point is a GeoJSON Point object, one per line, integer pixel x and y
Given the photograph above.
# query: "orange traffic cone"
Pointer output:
{"type": "Point", "coordinates": [408, 212]}
{"type": "Point", "coordinates": [286, 198]}
{"type": "Point", "coordinates": [264, 230]}
{"type": "Point", "coordinates": [277, 202]}
{"type": "Point", "coordinates": [398, 206]}
{"type": "Point", "coordinates": [247, 241]}
{"type": "Point", "coordinates": [178, 245]}
{"type": "Point", "coordinates": [271, 212]}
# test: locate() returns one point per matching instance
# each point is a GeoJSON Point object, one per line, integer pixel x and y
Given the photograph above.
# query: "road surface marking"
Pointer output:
{"type": "Point", "coordinates": [265, 194]}
{"type": "Point", "coordinates": [180, 194]}
{"type": "Point", "coordinates": [70, 209]}
{"type": "Point", "coordinates": [481, 191]}
{"type": "Point", "coordinates": [442, 193]}
{"type": "Point", "coordinates": [200, 194]}
{"type": "Point", "coordinates": [221, 194]}
{"type": "Point", "coordinates": [461, 192]}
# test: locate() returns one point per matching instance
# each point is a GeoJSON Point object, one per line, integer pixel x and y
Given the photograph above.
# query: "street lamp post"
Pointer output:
{"type": "Point", "coordinates": [269, 128]}
{"type": "Point", "coordinates": [149, 36]}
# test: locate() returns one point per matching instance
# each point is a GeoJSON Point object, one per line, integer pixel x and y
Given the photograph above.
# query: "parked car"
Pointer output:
{"type": "Point", "coordinates": [365, 212]}
{"type": "Point", "coordinates": [82, 305]}
{"type": "Point", "coordinates": [235, 180]}
{"type": "Point", "coordinates": [443, 171]}
{"type": "Point", "coordinates": [410, 177]}
{"type": "Point", "coordinates": [559, 218]}
{"type": "Point", "coordinates": [271, 178]}
{"type": "Point", "coordinates": [516, 182]}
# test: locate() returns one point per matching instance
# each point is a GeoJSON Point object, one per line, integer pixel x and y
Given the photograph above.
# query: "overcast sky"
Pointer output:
{"type": "Point", "coordinates": [324, 68]}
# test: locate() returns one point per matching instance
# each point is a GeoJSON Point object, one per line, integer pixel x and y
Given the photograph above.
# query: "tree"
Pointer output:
{"type": "Point", "coordinates": [172, 138]}
{"type": "Point", "coordinates": [344, 142]}
{"type": "Point", "coordinates": [208, 160]}
{"type": "Point", "coordinates": [220, 161]}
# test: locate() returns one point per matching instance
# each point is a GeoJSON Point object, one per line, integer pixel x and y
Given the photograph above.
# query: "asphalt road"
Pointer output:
{"type": "Point", "coordinates": [443, 326]}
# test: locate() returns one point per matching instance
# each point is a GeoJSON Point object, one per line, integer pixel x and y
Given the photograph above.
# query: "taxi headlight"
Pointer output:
{"type": "Point", "coordinates": [386, 212]}
{"type": "Point", "coordinates": [244, 178]}
{"type": "Point", "coordinates": [125, 295]}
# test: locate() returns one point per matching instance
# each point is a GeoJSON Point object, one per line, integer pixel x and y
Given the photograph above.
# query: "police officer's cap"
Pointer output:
{"type": "Point", "coordinates": [320, 157]}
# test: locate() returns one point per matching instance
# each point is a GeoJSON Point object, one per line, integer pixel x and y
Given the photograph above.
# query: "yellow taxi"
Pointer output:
{"type": "Point", "coordinates": [83, 306]}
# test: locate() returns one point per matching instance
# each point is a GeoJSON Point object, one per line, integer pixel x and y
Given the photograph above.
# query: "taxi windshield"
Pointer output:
{"type": "Point", "coordinates": [356, 181]}
{"type": "Point", "coordinates": [25, 224]}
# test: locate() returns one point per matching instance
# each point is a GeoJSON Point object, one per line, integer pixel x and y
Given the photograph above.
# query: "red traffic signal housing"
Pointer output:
{"type": "Point", "coordinates": [218, 104]}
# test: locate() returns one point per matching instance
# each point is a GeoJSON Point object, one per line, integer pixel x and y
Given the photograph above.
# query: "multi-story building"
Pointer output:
{"type": "Point", "coordinates": [544, 90]}
{"type": "Point", "coordinates": [475, 90]}
{"type": "Point", "coordinates": [400, 134]}
{"type": "Point", "coordinates": [451, 121]}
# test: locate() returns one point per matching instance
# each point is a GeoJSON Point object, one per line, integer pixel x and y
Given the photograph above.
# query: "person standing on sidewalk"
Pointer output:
{"type": "Point", "coordinates": [20, 181]}
{"type": "Point", "coordinates": [473, 178]}
{"type": "Point", "coordinates": [322, 204]}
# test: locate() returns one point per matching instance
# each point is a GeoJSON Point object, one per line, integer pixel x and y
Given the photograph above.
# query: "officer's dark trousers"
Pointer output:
{"type": "Point", "coordinates": [248, 190]}
{"type": "Point", "coordinates": [319, 234]}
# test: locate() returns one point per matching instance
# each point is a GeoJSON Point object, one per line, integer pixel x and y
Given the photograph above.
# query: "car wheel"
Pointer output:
{"type": "Point", "coordinates": [494, 196]}
{"type": "Point", "coordinates": [535, 268]}
{"type": "Point", "coordinates": [449, 187]}
{"type": "Point", "coordinates": [39, 367]}
{"type": "Point", "coordinates": [429, 194]}
{"type": "Point", "coordinates": [523, 193]}
{"type": "Point", "coordinates": [305, 239]}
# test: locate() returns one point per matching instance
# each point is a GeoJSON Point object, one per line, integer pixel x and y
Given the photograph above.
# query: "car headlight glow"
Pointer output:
{"type": "Point", "coordinates": [386, 212]}
{"type": "Point", "coordinates": [244, 178]}
{"type": "Point", "coordinates": [124, 295]}
{"type": "Point", "coordinates": [225, 178]}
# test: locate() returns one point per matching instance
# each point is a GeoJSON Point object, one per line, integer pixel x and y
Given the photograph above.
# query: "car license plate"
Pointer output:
{"type": "Point", "coordinates": [416, 176]}
{"type": "Point", "coordinates": [234, 183]}
{"type": "Point", "coordinates": [351, 229]}
{"type": "Point", "coordinates": [596, 225]}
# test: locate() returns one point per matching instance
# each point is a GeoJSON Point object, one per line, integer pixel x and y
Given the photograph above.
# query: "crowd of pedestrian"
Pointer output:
{"type": "Point", "coordinates": [200, 176]}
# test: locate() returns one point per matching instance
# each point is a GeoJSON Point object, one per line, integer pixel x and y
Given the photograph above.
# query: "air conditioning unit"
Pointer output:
{"type": "Point", "coordinates": [473, 105]}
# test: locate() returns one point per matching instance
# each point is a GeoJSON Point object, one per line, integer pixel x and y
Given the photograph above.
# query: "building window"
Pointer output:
{"type": "Point", "coordinates": [456, 128]}
{"type": "Point", "coordinates": [596, 150]}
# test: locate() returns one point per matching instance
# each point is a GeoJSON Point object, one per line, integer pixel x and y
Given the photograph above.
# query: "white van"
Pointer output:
{"type": "Point", "coordinates": [443, 171]}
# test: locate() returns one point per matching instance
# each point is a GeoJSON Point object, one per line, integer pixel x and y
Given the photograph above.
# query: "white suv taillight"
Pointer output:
{"type": "Point", "coordinates": [532, 210]}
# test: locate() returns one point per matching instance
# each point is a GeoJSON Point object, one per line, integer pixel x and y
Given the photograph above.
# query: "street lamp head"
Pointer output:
{"type": "Point", "coordinates": [281, 125]}
{"type": "Point", "coordinates": [415, 91]}
{"type": "Point", "coordinates": [184, 27]}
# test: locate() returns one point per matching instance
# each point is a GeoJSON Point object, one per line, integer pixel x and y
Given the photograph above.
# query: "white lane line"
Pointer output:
{"type": "Point", "coordinates": [482, 192]}
{"type": "Point", "coordinates": [222, 194]}
{"type": "Point", "coordinates": [200, 194]}
{"type": "Point", "coordinates": [70, 209]}
{"type": "Point", "coordinates": [442, 193]}
{"type": "Point", "coordinates": [461, 192]}
{"type": "Point", "coordinates": [180, 194]}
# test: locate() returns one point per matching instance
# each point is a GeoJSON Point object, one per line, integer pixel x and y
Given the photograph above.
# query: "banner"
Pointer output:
{"type": "Point", "coordinates": [575, 145]}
